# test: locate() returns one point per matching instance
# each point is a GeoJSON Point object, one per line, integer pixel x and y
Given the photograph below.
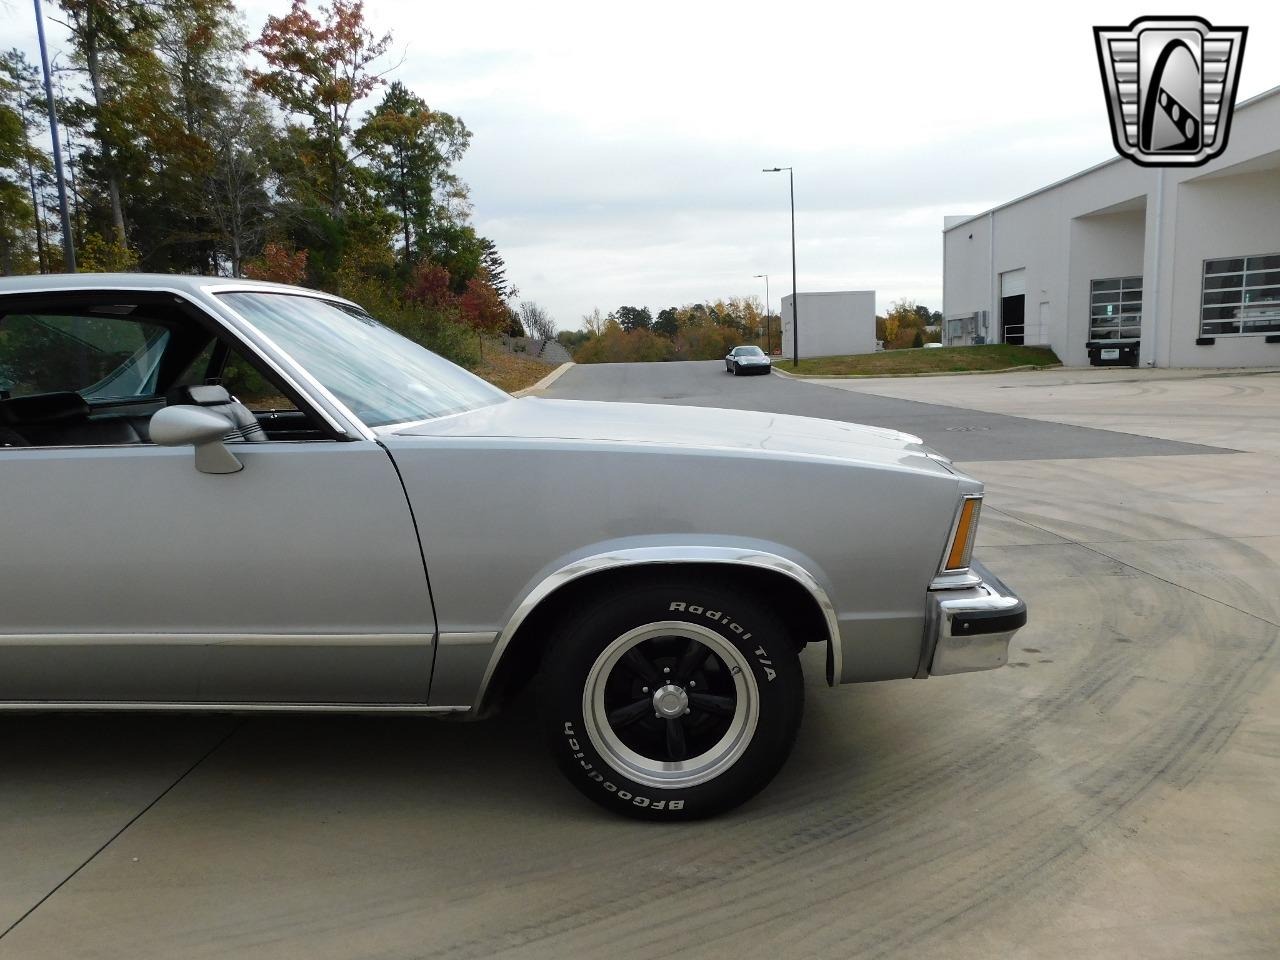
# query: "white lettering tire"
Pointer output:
{"type": "Point", "coordinates": [671, 700]}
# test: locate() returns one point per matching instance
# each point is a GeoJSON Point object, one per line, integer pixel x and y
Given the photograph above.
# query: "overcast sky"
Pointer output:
{"type": "Point", "coordinates": [617, 149]}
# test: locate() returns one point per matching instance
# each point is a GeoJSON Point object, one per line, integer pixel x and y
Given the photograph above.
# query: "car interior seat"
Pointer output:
{"type": "Point", "coordinates": [62, 419]}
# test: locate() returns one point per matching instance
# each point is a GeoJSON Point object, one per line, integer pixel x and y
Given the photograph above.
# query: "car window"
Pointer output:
{"type": "Point", "coordinates": [240, 378]}
{"type": "Point", "coordinates": [381, 376]}
{"type": "Point", "coordinates": [99, 357]}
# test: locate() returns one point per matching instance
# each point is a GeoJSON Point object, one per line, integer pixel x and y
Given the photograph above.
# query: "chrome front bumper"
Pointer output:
{"type": "Point", "coordinates": [969, 627]}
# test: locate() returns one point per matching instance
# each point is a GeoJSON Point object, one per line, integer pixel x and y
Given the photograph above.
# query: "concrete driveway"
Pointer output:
{"type": "Point", "coordinates": [1112, 793]}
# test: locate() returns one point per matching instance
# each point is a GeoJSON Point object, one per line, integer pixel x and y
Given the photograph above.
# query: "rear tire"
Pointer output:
{"type": "Point", "coordinates": [674, 700]}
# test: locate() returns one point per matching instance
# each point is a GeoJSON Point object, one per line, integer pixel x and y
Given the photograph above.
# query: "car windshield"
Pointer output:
{"type": "Point", "coordinates": [748, 352]}
{"type": "Point", "coordinates": [381, 376]}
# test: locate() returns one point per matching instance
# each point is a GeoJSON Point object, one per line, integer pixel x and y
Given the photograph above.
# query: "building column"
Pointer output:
{"type": "Point", "coordinates": [1157, 273]}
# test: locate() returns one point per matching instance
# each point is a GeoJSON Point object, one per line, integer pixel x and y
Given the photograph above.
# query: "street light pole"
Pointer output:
{"type": "Point", "coordinates": [68, 245]}
{"type": "Point", "coordinates": [795, 298]}
{"type": "Point", "coordinates": [768, 331]}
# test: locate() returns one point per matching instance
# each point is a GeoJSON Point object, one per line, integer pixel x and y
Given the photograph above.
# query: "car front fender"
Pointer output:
{"type": "Point", "coordinates": [650, 556]}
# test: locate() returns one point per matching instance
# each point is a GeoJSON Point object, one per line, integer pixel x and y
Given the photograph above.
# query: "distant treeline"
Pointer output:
{"type": "Point", "coordinates": [707, 331]}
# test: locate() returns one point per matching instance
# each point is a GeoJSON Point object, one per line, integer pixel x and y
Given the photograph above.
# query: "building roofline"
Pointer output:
{"type": "Point", "coordinates": [826, 293]}
{"type": "Point", "coordinates": [1083, 173]}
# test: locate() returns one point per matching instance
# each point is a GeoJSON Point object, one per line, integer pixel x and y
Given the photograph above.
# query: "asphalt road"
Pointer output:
{"type": "Point", "coordinates": [959, 433]}
{"type": "Point", "coordinates": [1112, 793]}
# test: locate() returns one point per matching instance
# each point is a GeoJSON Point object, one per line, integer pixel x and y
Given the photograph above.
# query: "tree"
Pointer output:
{"type": "Point", "coordinates": [96, 254]}
{"type": "Point", "coordinates": [278, 265]}
{"type": "Point", "coordinates": [705, 341]}
{"type": "Point", "coordinates": [198, 90]}
{"type": "Point", "coordinates": [537, 321]}
{"type": "Point", "coordinates": [901, 324]}
{"type": "Point", "coordinates": [514, 327]}
{"type": "Point", "coordinates": [918, 339]}
{"type": "Point", "coordinates": [320, 69]}
{"type": "Point", "coordinates": [616, 345]}
{"type": "Point", "coordinates": [22, 239]}
{"type": "Point", "coordinates": [667, 323]}
{"type": "Point", "coordinates": [594, 322]}
{"type": "Point", "coordinates": [429, 287]}
{"type": "Point", "coordinates": [572, 339]}
{"type": "Point", "coordinates": [239, 181]}
{"type": "Point", "coordinates": [410, 151]}
{"type": "Point", "coordinates": [159, 79]}
{"type": "Point", "coordinates": [891, 325]}
{"type": "Point", "coordinates": [634, 318]}
{"type": "Point", "coordinates": [180, 159]}
{"type": "Point", "coordinates": [111, 40]}
{"type": "Point", "coordinates": [482, 308]}
{"type": "Point", "coordinates": [496, 269]}
{"type": "Point", "coordinates": [456, 246]}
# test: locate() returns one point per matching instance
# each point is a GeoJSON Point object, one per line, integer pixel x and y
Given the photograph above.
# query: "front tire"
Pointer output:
{"type": "Point", "coordinates": [735, 369]}
{"type": "Point", "coordinates": [674, 700]}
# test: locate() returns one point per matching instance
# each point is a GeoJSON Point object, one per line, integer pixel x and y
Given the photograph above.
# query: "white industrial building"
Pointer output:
{"type": "Point", "coordinates": [831, 324]}
{"type": "Point", "coordinates": [1171, 267]}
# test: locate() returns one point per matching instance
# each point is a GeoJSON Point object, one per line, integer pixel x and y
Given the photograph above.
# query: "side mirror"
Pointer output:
{"type": "Point", "coordinates": [186, 425]}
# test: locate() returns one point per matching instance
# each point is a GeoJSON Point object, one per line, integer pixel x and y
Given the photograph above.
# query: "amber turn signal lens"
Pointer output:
{"type": "Point", "coordinates": [961, 551]}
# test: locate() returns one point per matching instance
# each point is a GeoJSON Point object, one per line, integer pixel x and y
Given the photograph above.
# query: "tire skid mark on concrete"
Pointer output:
{"type": "Point", "coordinates": [1216, 686]}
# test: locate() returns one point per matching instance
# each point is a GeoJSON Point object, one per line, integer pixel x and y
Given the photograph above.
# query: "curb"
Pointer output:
{"type": "Point", "coordinates": [546, 381]}
{"type": "Point", "coordinates": [933, 373]}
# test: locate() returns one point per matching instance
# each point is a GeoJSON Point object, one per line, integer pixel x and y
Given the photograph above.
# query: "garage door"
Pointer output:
{"type": "Point", "coordinates": [1013, 306]}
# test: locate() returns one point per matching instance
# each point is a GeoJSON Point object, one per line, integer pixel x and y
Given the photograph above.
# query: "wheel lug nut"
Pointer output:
{"type": "Point", "coordinates": [644, 689]}
{"type": "Point", "coordinates": [666, 669]}
{"type": "Point", "coordinates": [693, 683]}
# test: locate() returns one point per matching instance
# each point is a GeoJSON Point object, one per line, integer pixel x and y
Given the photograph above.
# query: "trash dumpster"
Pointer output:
{"type": "Point", "coordinates": [1113, 353]}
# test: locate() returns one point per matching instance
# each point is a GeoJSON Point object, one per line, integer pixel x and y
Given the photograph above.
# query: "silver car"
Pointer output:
{"type": "Point", "coordinates": [223, 495]}
{"type": "Point", "coordinates": [743, 360]}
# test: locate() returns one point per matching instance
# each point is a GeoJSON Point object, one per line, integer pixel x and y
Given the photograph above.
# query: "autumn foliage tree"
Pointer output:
{"type": "Point", "coordinates": [278, 265]}
{"type": "Point", "coordinates": [696, 331]}
{"type": "Point", "coordinates": [479, 307]}
{"type": "Point", "coordinates": [903, 325]}
{"type": "Point", "coordinates": [320, 68]}
{"type": "Point", "coordinates": [192, 147]}
{"type": "Point", "coordinates": [615, 345]}
{"type": "Point", "coordinates": [482, 309]}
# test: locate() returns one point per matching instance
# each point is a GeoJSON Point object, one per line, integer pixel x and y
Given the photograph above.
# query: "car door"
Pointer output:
{"type": "Point", "coordinates": [127, 575]}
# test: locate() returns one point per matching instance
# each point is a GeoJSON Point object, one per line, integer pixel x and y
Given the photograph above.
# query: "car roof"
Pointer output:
{"type": "Point", "coordinates": [184, 283]}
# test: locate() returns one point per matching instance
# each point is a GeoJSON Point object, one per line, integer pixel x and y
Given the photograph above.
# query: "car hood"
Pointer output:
{"type": "Point", "coordinates": [532, 418]}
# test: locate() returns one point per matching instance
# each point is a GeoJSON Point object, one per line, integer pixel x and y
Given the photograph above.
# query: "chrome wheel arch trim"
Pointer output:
{"type": "Point", "coordinates": [656, 556]}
